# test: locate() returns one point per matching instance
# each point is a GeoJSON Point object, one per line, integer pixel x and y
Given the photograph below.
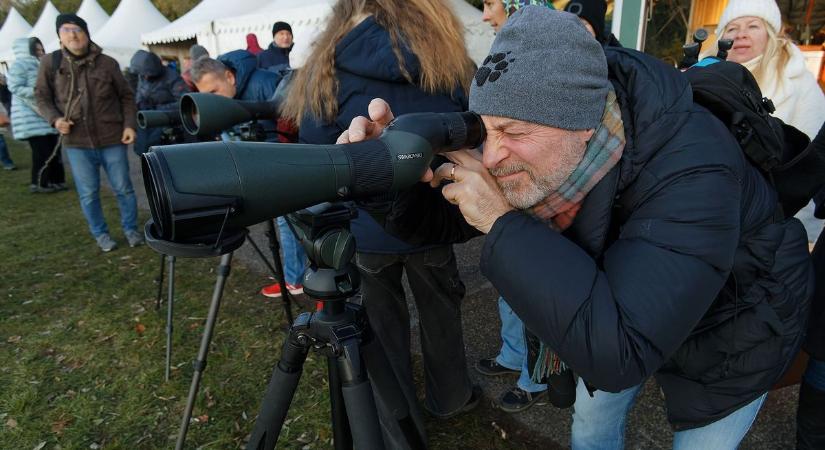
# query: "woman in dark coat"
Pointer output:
{"type": "Point", "coordinates": [411, 53]}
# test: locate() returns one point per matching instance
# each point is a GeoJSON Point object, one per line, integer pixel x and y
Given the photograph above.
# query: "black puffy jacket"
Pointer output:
{"type": "Point", "coordinates": [675, 266]}
{"type": "Point", "coordinates": [159, 87]}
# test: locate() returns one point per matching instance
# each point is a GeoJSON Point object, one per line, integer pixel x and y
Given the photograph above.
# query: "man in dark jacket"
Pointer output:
{"type": "Point", "coordinates": [810, 416]}
{"type": "Point", "coordinates": [234, 75]}
{"type": "Point", "coordinates": [625, 227]}
{"type": "Point", "coordinates": [81, 92]}
{"type": "Point", "coordinates": [159, 88]}
{"type": "Point", "coordinates": [276, 56]}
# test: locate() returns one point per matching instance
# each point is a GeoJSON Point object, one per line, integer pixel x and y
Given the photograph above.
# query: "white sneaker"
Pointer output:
{"type": "Point", "coordinates": [106, 243]}
{"type": "Point", "coordinates": [134, 238]}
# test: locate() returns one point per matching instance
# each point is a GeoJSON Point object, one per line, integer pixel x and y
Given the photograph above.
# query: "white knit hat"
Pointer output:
{"type": "Point", "coordinates": [764, 9]}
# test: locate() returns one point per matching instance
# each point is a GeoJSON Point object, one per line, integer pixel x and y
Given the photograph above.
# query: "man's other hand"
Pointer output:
{"type": "Point", "coordinates": [63, 125]}
{"type": "Point", "coordinates": [129, 136]}
{"type": "Point", "coordinates": [362, 129]}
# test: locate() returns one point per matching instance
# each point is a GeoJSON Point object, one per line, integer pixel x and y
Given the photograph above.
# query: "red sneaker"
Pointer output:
{"type": "Point", "coordinates": [274, 290]}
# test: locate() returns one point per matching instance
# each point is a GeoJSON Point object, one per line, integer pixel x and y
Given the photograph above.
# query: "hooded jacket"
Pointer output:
{"type": "Point", "coordinates": [274, 57]}
{"type": "Point", "coordinates": [159, 87]}
{"type": "Point", "coordinates": [26, 122]}
{"type": "Point", "coordinates": [251, 83]}
{"type": "Point", "coordinates": [366, 68]}
{"type": "Point", "coordinates": [675, 266]}
{"type": "Point", "coordinates": [103, 104]}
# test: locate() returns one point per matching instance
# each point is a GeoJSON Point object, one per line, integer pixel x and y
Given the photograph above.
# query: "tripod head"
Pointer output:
{"type": "Point", "coordinates": [323, 231]}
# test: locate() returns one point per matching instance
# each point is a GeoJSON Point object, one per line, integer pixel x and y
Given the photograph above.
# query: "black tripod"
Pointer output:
{"type": "Point", "coordinates": [224, 246]}
{"type": "Point", "coordinates": [340, 332]}
{"type": "Point", "coordinates": [276, 271]}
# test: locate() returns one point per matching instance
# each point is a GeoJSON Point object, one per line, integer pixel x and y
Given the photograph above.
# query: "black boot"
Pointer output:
{"type": "Point", "coordinates": [810, 418]}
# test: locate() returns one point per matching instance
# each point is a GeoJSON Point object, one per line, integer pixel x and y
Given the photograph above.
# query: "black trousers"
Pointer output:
{"type": "Point", "coordinates": [42, 148]}
{"type": "Point", "coordinates": [438, 292]}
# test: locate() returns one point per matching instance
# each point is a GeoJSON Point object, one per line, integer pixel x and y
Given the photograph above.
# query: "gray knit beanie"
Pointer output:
{"type": "Point", "coordinates": [546, 68]}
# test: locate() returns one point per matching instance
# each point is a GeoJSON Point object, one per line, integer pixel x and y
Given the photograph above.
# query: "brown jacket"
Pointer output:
{"type": "Point", "coordinates": [103, 104]}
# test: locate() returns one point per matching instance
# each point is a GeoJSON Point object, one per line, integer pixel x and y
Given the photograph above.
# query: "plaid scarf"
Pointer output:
{"type": "Point", "coordinates": [603, 152]}
{"type": "Point", "coordinates": [559, 209]}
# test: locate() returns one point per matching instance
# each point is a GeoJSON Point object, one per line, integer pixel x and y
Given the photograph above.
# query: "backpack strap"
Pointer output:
{"type": "Point", "coordinates": [57, 59]}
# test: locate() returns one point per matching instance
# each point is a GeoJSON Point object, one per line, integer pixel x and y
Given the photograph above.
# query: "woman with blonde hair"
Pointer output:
{"type": "Point", "coordinates": [755, 26]}
{"type": "Point", "coordinates": [779, 67]}
{"type": "Point", "coordinates": [412, 54]}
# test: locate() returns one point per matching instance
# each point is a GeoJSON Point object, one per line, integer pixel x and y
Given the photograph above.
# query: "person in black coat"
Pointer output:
{"type": "Point", "coordinates": [625, 227]}
{"type": "Point", "coordinates": [158, 88]}
{"type": "Point", "coordinates": [276, 56]}
{"type": "Point", "coordinates": [384, 51]}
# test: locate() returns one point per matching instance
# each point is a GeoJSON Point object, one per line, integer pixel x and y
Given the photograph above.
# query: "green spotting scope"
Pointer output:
{"type": "Point", "coordinates": [200, 192]}
{"type": "Point", "coordinates": [151, 119]}
{"type": "Point", "coordinates": [206, 115]}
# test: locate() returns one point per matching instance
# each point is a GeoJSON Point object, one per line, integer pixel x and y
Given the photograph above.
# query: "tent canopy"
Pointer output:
{"type": "Point", "coordinates": [95, 18]}
{"type": "Point", "coordinates": [14, 27]}
{"type": "Point", "coordinates": [44, 27]}
{"type": "Point", "coordinates": [199, 19]}
{"type": "Point", "coordinates": [120, 37]}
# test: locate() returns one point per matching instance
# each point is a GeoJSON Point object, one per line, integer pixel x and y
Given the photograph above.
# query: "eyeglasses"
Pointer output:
{"type": "Point", "coordinates": [71, 30]}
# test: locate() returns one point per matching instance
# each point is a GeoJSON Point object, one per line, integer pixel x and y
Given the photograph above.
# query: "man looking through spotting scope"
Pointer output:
{"type": "Point", "coordinates": [234, 75]}
{"type": "Point", "coordinates": [624, 226]}
{"type": "Point", "coordinates": [82, 93]}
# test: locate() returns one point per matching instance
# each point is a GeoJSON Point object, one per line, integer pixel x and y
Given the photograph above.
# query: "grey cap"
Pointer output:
{"type": "Point", "coordinates": [546, 68]}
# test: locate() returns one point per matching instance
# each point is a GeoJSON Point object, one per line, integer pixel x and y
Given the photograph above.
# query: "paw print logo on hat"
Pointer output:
{"type": "Point", "coordinates": [493, 67]}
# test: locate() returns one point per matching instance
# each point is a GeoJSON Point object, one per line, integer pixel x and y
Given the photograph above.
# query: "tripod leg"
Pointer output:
{"type": "Point", "coordinates": [282, 386]}
{"type": "Point", "coordinates": [169, 308]}
{"type": "Point", "coordinates": [357, 393]}
{"type": "Point", "coordinates": [159, 280]}
{"type": "Point", "coordinates": [341, 432]}
{"type": "Point", "coordinates": [200, 363]}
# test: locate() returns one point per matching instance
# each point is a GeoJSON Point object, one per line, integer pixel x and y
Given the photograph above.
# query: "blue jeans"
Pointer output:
{"type": "Point", "coordinates": [5, 158]}
{"type": "Point", "coordinates": [513, 354]}
{"type": "Point", "coordinates": [295, 260]}
{"type": "Point", "coordinates": [815, 374]}
{"type": "Point", "coordinates": [599, 423]}
{"type": "Point", "coordinates": [86, 165]}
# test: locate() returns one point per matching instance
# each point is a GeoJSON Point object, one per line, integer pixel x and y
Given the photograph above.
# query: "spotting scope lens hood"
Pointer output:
{"type": "Point", "coordinates": [151, 119]}
{"type": "Point", "coordinates": [206, 115]}
{"type": "Point", "coordinates": [200, 191]}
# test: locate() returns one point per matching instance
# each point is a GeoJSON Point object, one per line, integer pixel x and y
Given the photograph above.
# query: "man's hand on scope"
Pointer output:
{"type": "Point", "coordinates": [362, 128]}
{"type": "Point", "coordinates": [473, 189]}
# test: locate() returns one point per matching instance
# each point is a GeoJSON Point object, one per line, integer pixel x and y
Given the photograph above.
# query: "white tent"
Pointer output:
{"type": "Point", "coordinates": [44, 28]}
{"type": "Point", "coordinates": [92, 13]}
{"type": "Point", "coordinates": [308, 19]}
{"type": "Point", "coordinates": [13, 28]}
{"type": "Point", "coordinates": [120, 37]}
{"type": "Point", "coordinates": [199, 20]}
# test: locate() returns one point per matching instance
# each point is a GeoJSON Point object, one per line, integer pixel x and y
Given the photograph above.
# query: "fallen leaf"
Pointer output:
{"type": "Point", "coordinates": [500, 430]}
{"type": "Point", "coordinates": [40, 446]}
{"type": "Point", "coordinates": [203, 419]}
{"type": "Point", "coordinates": [140, 328]}
{"type": "Point", "coordinates": [60, 425]}
{"type": "Point", "coordinates": [11, 423]}
{"type": "Point", "coordinates": [14, 339]}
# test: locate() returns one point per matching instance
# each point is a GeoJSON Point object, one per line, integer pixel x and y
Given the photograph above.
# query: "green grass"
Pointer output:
{"type": "Point", "coordinates": [82, 346]}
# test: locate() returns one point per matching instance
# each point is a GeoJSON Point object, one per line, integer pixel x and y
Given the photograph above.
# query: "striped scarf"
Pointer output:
{"type": "Point", "coordinates": [560, 208]}
{"type": "Point", "coordinates": [603, 152]}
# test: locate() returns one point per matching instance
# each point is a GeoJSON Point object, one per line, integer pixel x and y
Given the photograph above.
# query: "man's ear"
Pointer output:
{"type": "Point", "coordinates": [587, 134]}
{"type": "Point", "coordinates": [230, 77]}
